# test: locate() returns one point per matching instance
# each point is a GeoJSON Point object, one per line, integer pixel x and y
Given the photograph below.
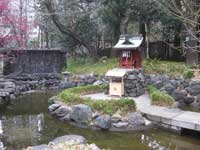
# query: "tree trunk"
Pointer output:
{"type": "Point", "coordinates": [64, 30]}
{"type": "Point", "coordinates": [177, 42]}
{"type": "Point", "coordinates": [142, 30]}
{"type": "Point", "coordinates": [47, 39]}
{"type": "Point", "coordinates": [124, 22]}
{"type": "Point", "coordinates": [192, 55]}
{"type": "Point", "coordinates": [147, 39]}
{"type": "Point", "coordinates": [143, 33]}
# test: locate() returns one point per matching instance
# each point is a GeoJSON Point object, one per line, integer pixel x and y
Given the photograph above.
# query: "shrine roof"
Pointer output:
{"type": "Point", "coordinates": [129, 42]}
{"type": "Point", "coordinates": [117, 72]}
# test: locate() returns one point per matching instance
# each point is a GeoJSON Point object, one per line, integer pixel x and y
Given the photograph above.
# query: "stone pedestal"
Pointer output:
{"type": "Point", "coordinates": [134, 83]}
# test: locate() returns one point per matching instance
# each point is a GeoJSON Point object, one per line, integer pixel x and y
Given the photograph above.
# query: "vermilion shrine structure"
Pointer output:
{"type": "Point", "coordinates": [127, 79]}
{"type": "Point", "coordinates": [130, 49]}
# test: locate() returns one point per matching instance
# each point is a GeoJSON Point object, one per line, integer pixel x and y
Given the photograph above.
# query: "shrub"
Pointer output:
{"type": "Point", "coordinates": [160, 98]}
{"type": "Point", "coordinates": [188, 74]}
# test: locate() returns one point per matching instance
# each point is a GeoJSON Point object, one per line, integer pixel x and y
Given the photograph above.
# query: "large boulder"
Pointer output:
{"type": "Point", "coordinates": [194, 90]}
{"type": "Point", "coordinates": [74, 138]}
{"type": "Point", "coordinates": [81, 113]}
{"type": "Point", "coordinates": [53, 107]}
{"type": "Point", "coordinates": [103, 122]}
{"type": "Point", "coordinates": [135, 119]}
{"type": "Point", "coordinates": [62, 111]}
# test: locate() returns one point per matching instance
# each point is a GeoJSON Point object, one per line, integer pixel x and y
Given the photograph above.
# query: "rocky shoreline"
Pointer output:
{"type": "Point", "coordinates": [67, 142]}
{"type": "Point", "coordinates": [82, 116]}
{"type": "Point", "coordinates": [11, 87]}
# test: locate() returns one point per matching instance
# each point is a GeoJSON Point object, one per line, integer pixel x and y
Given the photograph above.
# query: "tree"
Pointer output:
{"type": "Point", "coordinates": [188, 12]}
{"type": "Point", "coordinates": [14, 26]}
{"type": "Point", "coordinates": [76, 22]}
{"type": "Point", "coordinates": [118, 14]}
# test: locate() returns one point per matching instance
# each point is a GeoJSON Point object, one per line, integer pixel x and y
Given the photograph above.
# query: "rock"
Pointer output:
{"type": "Point", "coordinates": [53, 107]}
{"type": "Point", "coordinates": [189, 99]}
{"type": "Point", "coordinates": [120, 125]}
{"type": "Point", "coordinates": [196, 103]}
{"type": "Point", "coordinates": [81, 113]}
{"type": "Point", "coordinates": [39, 147]}
{"type": "Point", "coordinates": [116, 118]}
{"type": "Point", "coordinates": [132, 77]}
{"type": "Point", "coordinates": [169, 88]}
{"type": "Point", "coordinates": [158, 84]}
{"type": "Point", "coordinates": [99, 82]}
{"type": "Point", "coordinates": [179, 95]}
{"type": "Point", "coordinates": [193, 83]}
{"type": "Point", "coordinates": [95, 115]}
{"type": "Point", "coordinates": [194, 90]}
{"type": "Point", "coordinates": [80, 84]}
{"type": "Point", "coordinates": [103, 122]}
{"type": "Point", "coordinates": [65, 85]}
{"type": "Point", "coordinates": [61, 111]}
{"type": "Point", "coordinates": [66, 118]}
{"type": "Point", "coordinates": [75, 138]}
{"type": "Point", "coordinates": [135, 119]}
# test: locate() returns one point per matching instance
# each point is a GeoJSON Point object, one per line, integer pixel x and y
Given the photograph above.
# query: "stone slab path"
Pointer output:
{"type": "Point", "coordinates": [171, 117]}
{"type": "Point", "coordinates": [166, 116]}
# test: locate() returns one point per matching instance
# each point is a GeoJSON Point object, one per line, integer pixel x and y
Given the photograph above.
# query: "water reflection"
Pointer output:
{"type": "Point", "coordinates": [22, 129]}
{"type": "Point", "coordinates": [27, 123]}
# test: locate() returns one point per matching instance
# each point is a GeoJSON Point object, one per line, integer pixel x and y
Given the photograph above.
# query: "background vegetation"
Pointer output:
{"type": "Point", "coordinates": [151, 66]}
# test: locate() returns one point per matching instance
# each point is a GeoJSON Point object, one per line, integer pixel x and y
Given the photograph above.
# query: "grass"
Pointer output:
{"type": "Point", "coordinates": [72, 96]}
{"type": "Point", "coordinates": [160, 98]}
{"type": "Point", "coordinates": [151, 66]}
{"type": "Point", "coordinates": [88, 66]}
{"type": "Point", "coordinates": [171, 68]}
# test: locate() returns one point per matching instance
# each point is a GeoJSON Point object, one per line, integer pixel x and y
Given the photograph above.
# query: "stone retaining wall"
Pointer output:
{"type": "Point", "coordinates": [12, 87]}
{"type": "Point", "coordinates": [35, 61]}
{"type": "Point", "coordinates": [185, 92]}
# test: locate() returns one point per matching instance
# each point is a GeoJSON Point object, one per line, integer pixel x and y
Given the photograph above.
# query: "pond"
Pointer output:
{"type": "Point", "coordinates": [26, 122]}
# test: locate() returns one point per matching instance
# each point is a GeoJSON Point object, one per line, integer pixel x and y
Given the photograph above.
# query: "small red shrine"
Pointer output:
{"type": "Point", "coordinates": [130, 49]}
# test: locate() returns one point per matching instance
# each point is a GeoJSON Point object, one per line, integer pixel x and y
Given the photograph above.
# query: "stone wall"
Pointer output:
{"type": "Point", "coordinates": [1, 65]}
{"type": "Point", "coordinates": [185, 92]}
{"type": "Point", "coordinates": [135, 83]}
{"type": "Point", "coordinates": [35, 62]}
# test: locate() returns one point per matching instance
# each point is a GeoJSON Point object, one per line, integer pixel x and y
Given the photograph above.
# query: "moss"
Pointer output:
{"type": "Point", "coordinates": [160, 98]}
{"type": "Point", "coordinates": [73, 96]}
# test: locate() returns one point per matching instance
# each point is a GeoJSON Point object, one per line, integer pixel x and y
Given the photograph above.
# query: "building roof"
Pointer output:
{"type": "Point", "coordinates": [129, 42]}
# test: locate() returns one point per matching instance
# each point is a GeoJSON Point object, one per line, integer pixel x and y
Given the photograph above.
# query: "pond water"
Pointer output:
{"type": "Point", "coordinates": [27, 122]}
